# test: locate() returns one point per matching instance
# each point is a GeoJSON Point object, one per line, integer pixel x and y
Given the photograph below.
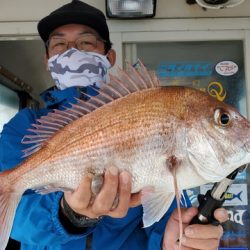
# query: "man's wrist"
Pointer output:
{"type": "Point", "coordinates": [78, 220]}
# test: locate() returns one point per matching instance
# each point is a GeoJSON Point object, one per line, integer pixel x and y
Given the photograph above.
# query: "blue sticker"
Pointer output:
{"type": "Point", "coordinates": [184, 69]}
{"type": "Point", "coordinates": [233, 235]}
{"type": "Point", "coordinates": [232, 248]}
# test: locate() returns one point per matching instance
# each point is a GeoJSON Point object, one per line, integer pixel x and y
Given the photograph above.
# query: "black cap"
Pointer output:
{"type": "Point", "coordinates": [75, 12]}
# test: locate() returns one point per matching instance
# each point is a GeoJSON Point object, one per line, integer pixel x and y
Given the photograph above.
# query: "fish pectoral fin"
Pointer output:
{"type": "Point", "coordinates": [50, 189]}
{"type": "Point", "coordinates": [155, 201]}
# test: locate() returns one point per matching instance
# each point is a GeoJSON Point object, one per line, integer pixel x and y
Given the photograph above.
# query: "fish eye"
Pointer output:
{"type": "Point", "coordinates": [224, 119]}
{"type": "Point", "coordinates": [221, 117]}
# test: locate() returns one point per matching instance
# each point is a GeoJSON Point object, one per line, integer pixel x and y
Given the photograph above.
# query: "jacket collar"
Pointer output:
{"type": "Point", "coordinates": [54, 98]}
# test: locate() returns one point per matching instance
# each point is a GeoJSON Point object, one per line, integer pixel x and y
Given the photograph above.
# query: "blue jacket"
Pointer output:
{"type": "Point", "coordinates": [37, 225]}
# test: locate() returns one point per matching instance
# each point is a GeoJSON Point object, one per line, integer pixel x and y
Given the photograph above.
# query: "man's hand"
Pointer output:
{"type": "Point", "coordinates": [115, 185]}
{"type": "Point", "coordinates": [202, 237]}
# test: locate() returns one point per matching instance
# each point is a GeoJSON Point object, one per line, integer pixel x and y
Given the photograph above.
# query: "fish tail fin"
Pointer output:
{"type": "Point", "coordinates": [239, 195]}
{"type": "Point", "coordinates": [9, 200]}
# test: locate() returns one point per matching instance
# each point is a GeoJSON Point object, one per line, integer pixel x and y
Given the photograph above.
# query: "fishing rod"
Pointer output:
{"type": "Point", "coordinates": [213, 199]}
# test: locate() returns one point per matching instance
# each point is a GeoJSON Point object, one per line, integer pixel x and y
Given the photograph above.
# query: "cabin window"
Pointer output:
{"type": "Point", "coordinates": [9, 104]}
{"type": "Point", "coordinates": [215, 67]}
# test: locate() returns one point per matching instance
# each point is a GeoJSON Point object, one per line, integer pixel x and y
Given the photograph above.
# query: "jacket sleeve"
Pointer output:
{"type": "Point", "coordinates": [37, 219]}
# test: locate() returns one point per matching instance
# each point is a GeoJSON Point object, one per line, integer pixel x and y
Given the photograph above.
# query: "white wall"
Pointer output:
{"type": "Point", "coordinates": [33, 10]}
{"type": "Point", "coordinates": [21, 16]}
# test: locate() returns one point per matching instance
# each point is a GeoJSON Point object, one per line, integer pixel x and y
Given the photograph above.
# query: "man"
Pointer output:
{"type": "Point", "coordinates": [76, 36]}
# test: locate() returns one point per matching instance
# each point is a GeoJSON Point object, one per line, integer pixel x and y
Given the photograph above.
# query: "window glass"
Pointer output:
{"type": "Point", "coordinates": [9, 105]}
{"type": "Point", "coordinates": [216, 67]}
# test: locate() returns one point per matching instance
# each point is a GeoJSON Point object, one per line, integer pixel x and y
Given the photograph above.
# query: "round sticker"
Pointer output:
{"type": "Point", "coordinates": [226, 68]}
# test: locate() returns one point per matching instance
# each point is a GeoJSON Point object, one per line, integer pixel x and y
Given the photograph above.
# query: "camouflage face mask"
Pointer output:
{"type": "Point", "coordinates": [78, 68]}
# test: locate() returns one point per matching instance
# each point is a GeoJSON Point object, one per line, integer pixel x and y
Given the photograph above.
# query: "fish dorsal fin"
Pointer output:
{"type": "Point", "coordinates": [125, 83]}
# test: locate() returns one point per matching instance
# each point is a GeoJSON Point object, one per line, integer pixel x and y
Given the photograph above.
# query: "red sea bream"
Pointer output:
{"type": "Point", "coordinates": [154, 132]}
